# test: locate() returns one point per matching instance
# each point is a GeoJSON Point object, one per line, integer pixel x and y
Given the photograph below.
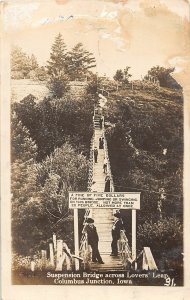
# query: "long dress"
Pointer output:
{"type": "Point", "coordinates": [107, 186]}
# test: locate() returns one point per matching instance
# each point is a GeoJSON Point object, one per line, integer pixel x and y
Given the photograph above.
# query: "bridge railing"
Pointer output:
{"type": "Point", "coordinates": [124, 250]}
{"type": "Point", "coordinates": [84, 247]}
{"type": "Point", "coordinates": [91, 164]}
{"type": "Point", "coordinates": [109, 172]}
{"type": "Point", "coordinates": [144, 261]}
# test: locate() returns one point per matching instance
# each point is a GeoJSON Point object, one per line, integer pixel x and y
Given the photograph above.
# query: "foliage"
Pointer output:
{"type": "Point", "coordinates": [20, 63]}
{"type": "Point", "coordinates": [164, 76]}
{"type": "Point", "coordinates": [23, 186]}
{"type": "Point", "coordinates": [40, 198]}
{"type": "Point", "coordinates": [23, 66]}
{"type": "Point", "coordinates": [40, 74]}
{"type": "Point", "coordinates": [161, 236]}
{"type": "Point", "coordinates": [80, 61]}
{"type": "Point", "coordinates": [122, 76]}
{"type": "Point", "coordinates": [23, 147]}
{"type": "Point", "coordinates": [118, 75]}
{"type": "Point", "coordinates": [57, 62]}
{"type": "Point", "coordinates": [40, 190]}
{"type": "Point", "coordinates": [23, 263]}
{"type": "Point", "coordinates": [58, 85]}
{"type": "Point", "coordinates": [56, 68]}
{"type": "Point", "coordinates": [60, 120]}
{"type": "Point", "coordinates": [136, 144]}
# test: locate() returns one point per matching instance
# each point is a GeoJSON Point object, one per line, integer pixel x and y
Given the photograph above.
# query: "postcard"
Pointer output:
{"type": "Point", "coordinates": [95, 160]}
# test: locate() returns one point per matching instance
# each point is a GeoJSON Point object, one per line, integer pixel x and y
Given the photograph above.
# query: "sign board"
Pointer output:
{"type": "Point", "coordinates": [113, 200]}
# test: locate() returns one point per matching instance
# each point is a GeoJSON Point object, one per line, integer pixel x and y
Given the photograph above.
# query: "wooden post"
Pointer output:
{"type": "Point", "coordinates": [54, 242]}
{"type": "Point", "coordinates": [44, 258]}
{"type": "Point", "coordinates": [59, 256]}
{"type": "Point", "coordinates": [51, 254]}
{"type": "Point", "coordinates": [144, 263]}
{"type": "Point", "coordinates": [76, 237]}
{"type": "Point", "coordinates": [32, 266]}
{"type": "Point", "coordinates": [134, 235]}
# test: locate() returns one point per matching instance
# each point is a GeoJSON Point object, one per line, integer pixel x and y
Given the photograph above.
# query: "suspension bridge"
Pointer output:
{"type": "Point", "coordinates": [104, 218]}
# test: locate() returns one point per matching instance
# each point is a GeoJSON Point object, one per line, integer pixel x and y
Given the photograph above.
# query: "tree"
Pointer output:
{"type": "Point", "coordinates": [161, 236]}
{"type": "Point", "coordinates": [40, 191]}
{"type": "Point", "coordinates": [51, 122]}
{"type": "Point", "coordinates": [80, 62]}
{"type": "Point", "coordinates": [162, 74]}
{"type": "Point", "coordinates": [122, 76]}
{"type": "Point", "coordinates": [22, 145]}
{"type": "Point", "coordinates": [126, 75]}
{"type": "Point", "coordinates": [23, 66]}
{"type": "Point", "coordinates": [118, 75]}
{"type": "Point", "coordinates": [64, 170]}
{"type": "Point", "coordinates": [33, 63]}
{"type": "Point", "coordinates": [23, 185]}
{"type": "Point", "coordinates": [41, 74]}
{"type": "Point", "coordinates": [58, 85]}
{"type": "Point", "coordinates": [20, 63]}
{"type": "Point", "coordinates": [57, 66]}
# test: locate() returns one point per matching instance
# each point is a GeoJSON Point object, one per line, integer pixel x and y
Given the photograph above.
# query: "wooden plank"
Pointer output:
{"type": "Point", "coordinates": [150, 259]}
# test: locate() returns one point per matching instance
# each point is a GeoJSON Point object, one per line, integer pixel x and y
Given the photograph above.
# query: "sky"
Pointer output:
{"type": "Point", "coordinates": [135, 33]}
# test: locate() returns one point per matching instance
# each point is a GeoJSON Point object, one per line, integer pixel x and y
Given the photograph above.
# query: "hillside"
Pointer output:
{"type": "Point", "coordinates": [24, 87]}
{"type": "Point", "coordinates": [144, 131]}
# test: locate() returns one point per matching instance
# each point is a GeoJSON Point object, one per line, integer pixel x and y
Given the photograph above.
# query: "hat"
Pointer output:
{"type": "Point", "coordinates": [117, 215]}
{"type": "Point", "coordinates": [89, 220]}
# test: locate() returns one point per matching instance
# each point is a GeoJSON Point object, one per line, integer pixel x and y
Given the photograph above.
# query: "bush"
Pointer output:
{"type": "Point", "coordinates": [164, 237]}
{"type": "Point", "coordinates": [58, 85]}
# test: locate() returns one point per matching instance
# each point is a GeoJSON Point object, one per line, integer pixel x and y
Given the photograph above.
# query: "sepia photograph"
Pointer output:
{"type": "Point", "coordinates": [96, 107]}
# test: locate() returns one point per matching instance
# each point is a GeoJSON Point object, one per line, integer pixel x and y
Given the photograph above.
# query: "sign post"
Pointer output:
{"type": "Point", "coordinates": [134, 238]}
{"type": "Point", "coordinates": [76, 238]}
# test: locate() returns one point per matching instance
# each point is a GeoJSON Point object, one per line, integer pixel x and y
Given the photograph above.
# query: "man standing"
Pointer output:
{"type": "Point", "coordinates": [93, 239]}
{"type": "Point", "coordinates": [95, 154]}
{"type": "Point", "coordinates": [117, 226]}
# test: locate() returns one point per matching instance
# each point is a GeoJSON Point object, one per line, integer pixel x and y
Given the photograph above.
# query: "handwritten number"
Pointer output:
{"type": "Point", "coordinates": [170, 282]}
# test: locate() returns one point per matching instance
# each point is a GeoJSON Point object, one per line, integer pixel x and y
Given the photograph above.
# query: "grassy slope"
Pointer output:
{"type": "Point", "coordinates": [23, 87]}
{"type": "Point", "coordinates": [145, 123]}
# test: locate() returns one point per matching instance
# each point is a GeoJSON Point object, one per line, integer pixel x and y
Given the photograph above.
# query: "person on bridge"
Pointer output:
{"type": "Point", "coordinates": [101, 143]}
{"type": "Point", "coordinates": [95, 154]}
{"type": "Point", "coordinates": [117, 226]}
{"type": "Point", "coordinates": [105, 165]}
{"type": "Point", "coordinates": [93, 239]}
{"type": "Point", "coordinates": [107, 184]}
{"type": "Point", "coordinates": [101, 121]}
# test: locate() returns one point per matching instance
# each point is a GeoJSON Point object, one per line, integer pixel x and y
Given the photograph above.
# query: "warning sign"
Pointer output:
{"type": "Point", "coordinates": [104, 200]}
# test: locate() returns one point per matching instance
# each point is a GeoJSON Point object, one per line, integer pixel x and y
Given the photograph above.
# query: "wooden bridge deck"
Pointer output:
{"type": "Point", "coordinates": [103, 217]}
